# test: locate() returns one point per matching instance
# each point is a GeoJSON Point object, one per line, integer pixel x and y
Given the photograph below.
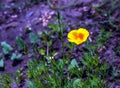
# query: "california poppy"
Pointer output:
{"type": "Point", "coordinates": [78, 36]}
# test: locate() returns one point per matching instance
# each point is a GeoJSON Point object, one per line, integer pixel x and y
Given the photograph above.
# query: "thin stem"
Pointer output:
{"type": "Point", "coordinates": [61, 32]}
{"type": "Point", "coordinates": [61, 38]}
{"type": "Point", "coordinates": [47, 52]}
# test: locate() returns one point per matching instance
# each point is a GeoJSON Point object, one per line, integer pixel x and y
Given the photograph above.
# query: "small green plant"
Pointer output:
{"type": "Point", "coordinates": [5, 81]}
{"type": "Point", "coordinates": [102, 37]}
{"type": "Point", "coordinates": [15, 56]}
{"type": "Point", "coordinates": [20, 43]}
{"type": "Point", "coordinates": [17, 78]}
{"type": "Point", "coordinates": [100, 41]}
{"type": "Point", "coordinates": [34, 73]}
{"type": "Point", "coordinates": [33, 38]}
{"type": "Point", "coordinates": [6, 47]}
{"type": "Point", "coordinates": [60, 73]}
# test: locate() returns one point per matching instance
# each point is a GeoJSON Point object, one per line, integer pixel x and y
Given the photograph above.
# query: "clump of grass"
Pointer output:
{"type": "Point", "coordinates": [5, 81]}
{"type": "Point", "coordinates": [64, 73]}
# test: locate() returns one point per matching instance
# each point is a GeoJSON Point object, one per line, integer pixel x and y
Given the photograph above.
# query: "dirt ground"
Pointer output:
{"type": "Point", "coordinates": [16, 15]}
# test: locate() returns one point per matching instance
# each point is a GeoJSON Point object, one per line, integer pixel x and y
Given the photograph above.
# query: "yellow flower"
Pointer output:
{"type": "Point", "coordinates": [78, 36]}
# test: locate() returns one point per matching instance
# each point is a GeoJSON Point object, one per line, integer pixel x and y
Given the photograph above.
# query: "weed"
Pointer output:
{"type": "Point", "coordinates": [5, 81]}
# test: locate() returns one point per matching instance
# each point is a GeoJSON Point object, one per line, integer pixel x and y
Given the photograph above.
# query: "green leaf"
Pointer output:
{"type": "Point", "coordinates": [53, 26]}
{"type": "Point", "coordinates": [41, 51]}
{"type": "Point", "coordinates": [94, 82]}
{"type": "Point", "coordinates": [31, 84]}
{"type": "Point", "coordinates": [20, 43]}
{"type": "Point", "coordinates": [33, 38]}
{"type": "Point", "coordinates": [73, 64]}
{"type": "Point", "coordinates": [77, 84]}
{"type": "Point", "coordinates": [6, 47]}
{"type": "Point", "coordinates": [49, 58]}
{"type": "Point", "coordinates": [15, 56]}
{"type": "Point", "coordinates": [1, 63]}
{"type": "Point", "coordinates": [61, 63]}
{"type": "Point", "coordinates": [54, 54]}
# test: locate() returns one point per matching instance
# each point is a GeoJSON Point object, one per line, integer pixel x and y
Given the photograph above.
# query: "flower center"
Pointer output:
{"type": "Point", "coordinates": [80, 36]}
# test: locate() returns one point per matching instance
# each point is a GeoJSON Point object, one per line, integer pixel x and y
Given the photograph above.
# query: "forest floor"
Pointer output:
{"type": "Point", "coordinates": [18, 15]}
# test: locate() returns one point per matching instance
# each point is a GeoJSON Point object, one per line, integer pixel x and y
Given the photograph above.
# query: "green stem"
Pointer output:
{"type": "Point", "coordinates": [61, 38]}
{"type": "Point", "coordinates": [61, 32]}
{"type": "Point", "coordinates": [73, 46]}
{"type": "Point", "coordinates": [47, 52]}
